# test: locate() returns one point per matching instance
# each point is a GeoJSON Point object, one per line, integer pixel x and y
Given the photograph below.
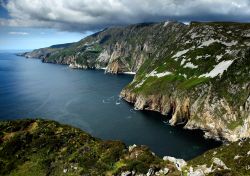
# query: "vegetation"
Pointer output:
{"type": "Point", "coordinates": [235, 156]}
{"type": "Point", "coordinates": [41, 147]}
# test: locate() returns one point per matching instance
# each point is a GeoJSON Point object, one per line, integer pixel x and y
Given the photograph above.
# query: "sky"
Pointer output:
{"type": "Point", "coordinates": [30, 24]}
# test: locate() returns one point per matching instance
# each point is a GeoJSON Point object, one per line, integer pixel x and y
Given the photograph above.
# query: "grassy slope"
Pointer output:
{"type": "Point", "coordinates": [234, 155]}
{"type": "Point", "coordinates": [39, 147]}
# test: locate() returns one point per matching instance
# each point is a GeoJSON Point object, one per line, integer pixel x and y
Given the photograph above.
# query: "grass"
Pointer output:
{"type": "Point", "coordinates": [227, 153]}
{"type": "Point", "coordinates": [41, 147]}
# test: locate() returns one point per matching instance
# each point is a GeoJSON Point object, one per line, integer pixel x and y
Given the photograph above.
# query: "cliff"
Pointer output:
{"type": "Point", "coordinates": [39, 147]}
{"type": "Point", "coordinates": [196, 74]}
{"type": "Point", "coordinates": [42, 147]}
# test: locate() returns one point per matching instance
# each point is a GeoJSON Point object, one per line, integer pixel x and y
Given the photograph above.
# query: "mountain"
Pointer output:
{"type": "Point", "coordinates": [196, 74]}
{"type": "Point", "coordinates": [42, 147]}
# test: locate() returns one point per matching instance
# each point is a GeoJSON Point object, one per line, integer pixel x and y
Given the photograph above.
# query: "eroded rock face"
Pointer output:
{"type": "Point", "coordinates": [214, 115]}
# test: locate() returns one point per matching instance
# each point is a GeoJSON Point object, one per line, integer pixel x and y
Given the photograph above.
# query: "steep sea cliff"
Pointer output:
{"type": "Point", "coordinates": [197, 74]}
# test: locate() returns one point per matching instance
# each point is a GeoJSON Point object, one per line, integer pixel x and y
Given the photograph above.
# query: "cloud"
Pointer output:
{"type": "Point", "coordinates": [91, 15]}
{"type": "Point", "coordinates": [18, 33]}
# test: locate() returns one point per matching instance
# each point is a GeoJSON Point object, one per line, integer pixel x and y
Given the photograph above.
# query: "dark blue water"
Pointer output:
{"type": "Point", "coordinates": [89, 100]}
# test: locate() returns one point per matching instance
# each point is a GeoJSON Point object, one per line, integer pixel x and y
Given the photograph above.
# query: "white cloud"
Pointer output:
{"type": "Point", "coordinates": [82, 15]}
{"type": "Point", "coordinates": [18, 33]}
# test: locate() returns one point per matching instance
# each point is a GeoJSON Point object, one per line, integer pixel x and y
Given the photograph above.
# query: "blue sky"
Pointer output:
{"type": "Point", "coordinates": [25, 38]}
{"type": "Point", "coordinates": [30, 24]}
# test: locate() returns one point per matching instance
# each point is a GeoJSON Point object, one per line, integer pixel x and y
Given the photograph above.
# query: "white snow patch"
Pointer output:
{"type": "Point", "coordinates": [248, 153]}
{"type": "Point", "coordinates": [190, 65]}
{"type": "Point", "coordinates": [218, 69]}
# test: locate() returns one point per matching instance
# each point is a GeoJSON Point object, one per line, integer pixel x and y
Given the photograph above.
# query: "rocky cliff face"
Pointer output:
{"type": "Point", "coordinates": [196, 74]}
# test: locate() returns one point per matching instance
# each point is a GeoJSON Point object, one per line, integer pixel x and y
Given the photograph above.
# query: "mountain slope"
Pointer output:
{"type": "Point", "coordinates": [196, 74]}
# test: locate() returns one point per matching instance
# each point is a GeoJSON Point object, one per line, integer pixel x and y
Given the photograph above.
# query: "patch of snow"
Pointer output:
{"type": "Point", "coordinates": [248, 153]}
{"type": "Point", "coordinates": [190, 65]}
{"type": "Point", "coordinates": [218, 69]}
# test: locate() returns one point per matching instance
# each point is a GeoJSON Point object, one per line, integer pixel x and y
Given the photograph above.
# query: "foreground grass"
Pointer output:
{"type": "Point", "coordinates": [39, 147]}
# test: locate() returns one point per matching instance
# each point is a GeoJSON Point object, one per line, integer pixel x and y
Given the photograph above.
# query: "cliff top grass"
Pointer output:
{"type": "Point", "coordinates": [41, 147]}
{"type": "Point", "coordinates": [235, 156]}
